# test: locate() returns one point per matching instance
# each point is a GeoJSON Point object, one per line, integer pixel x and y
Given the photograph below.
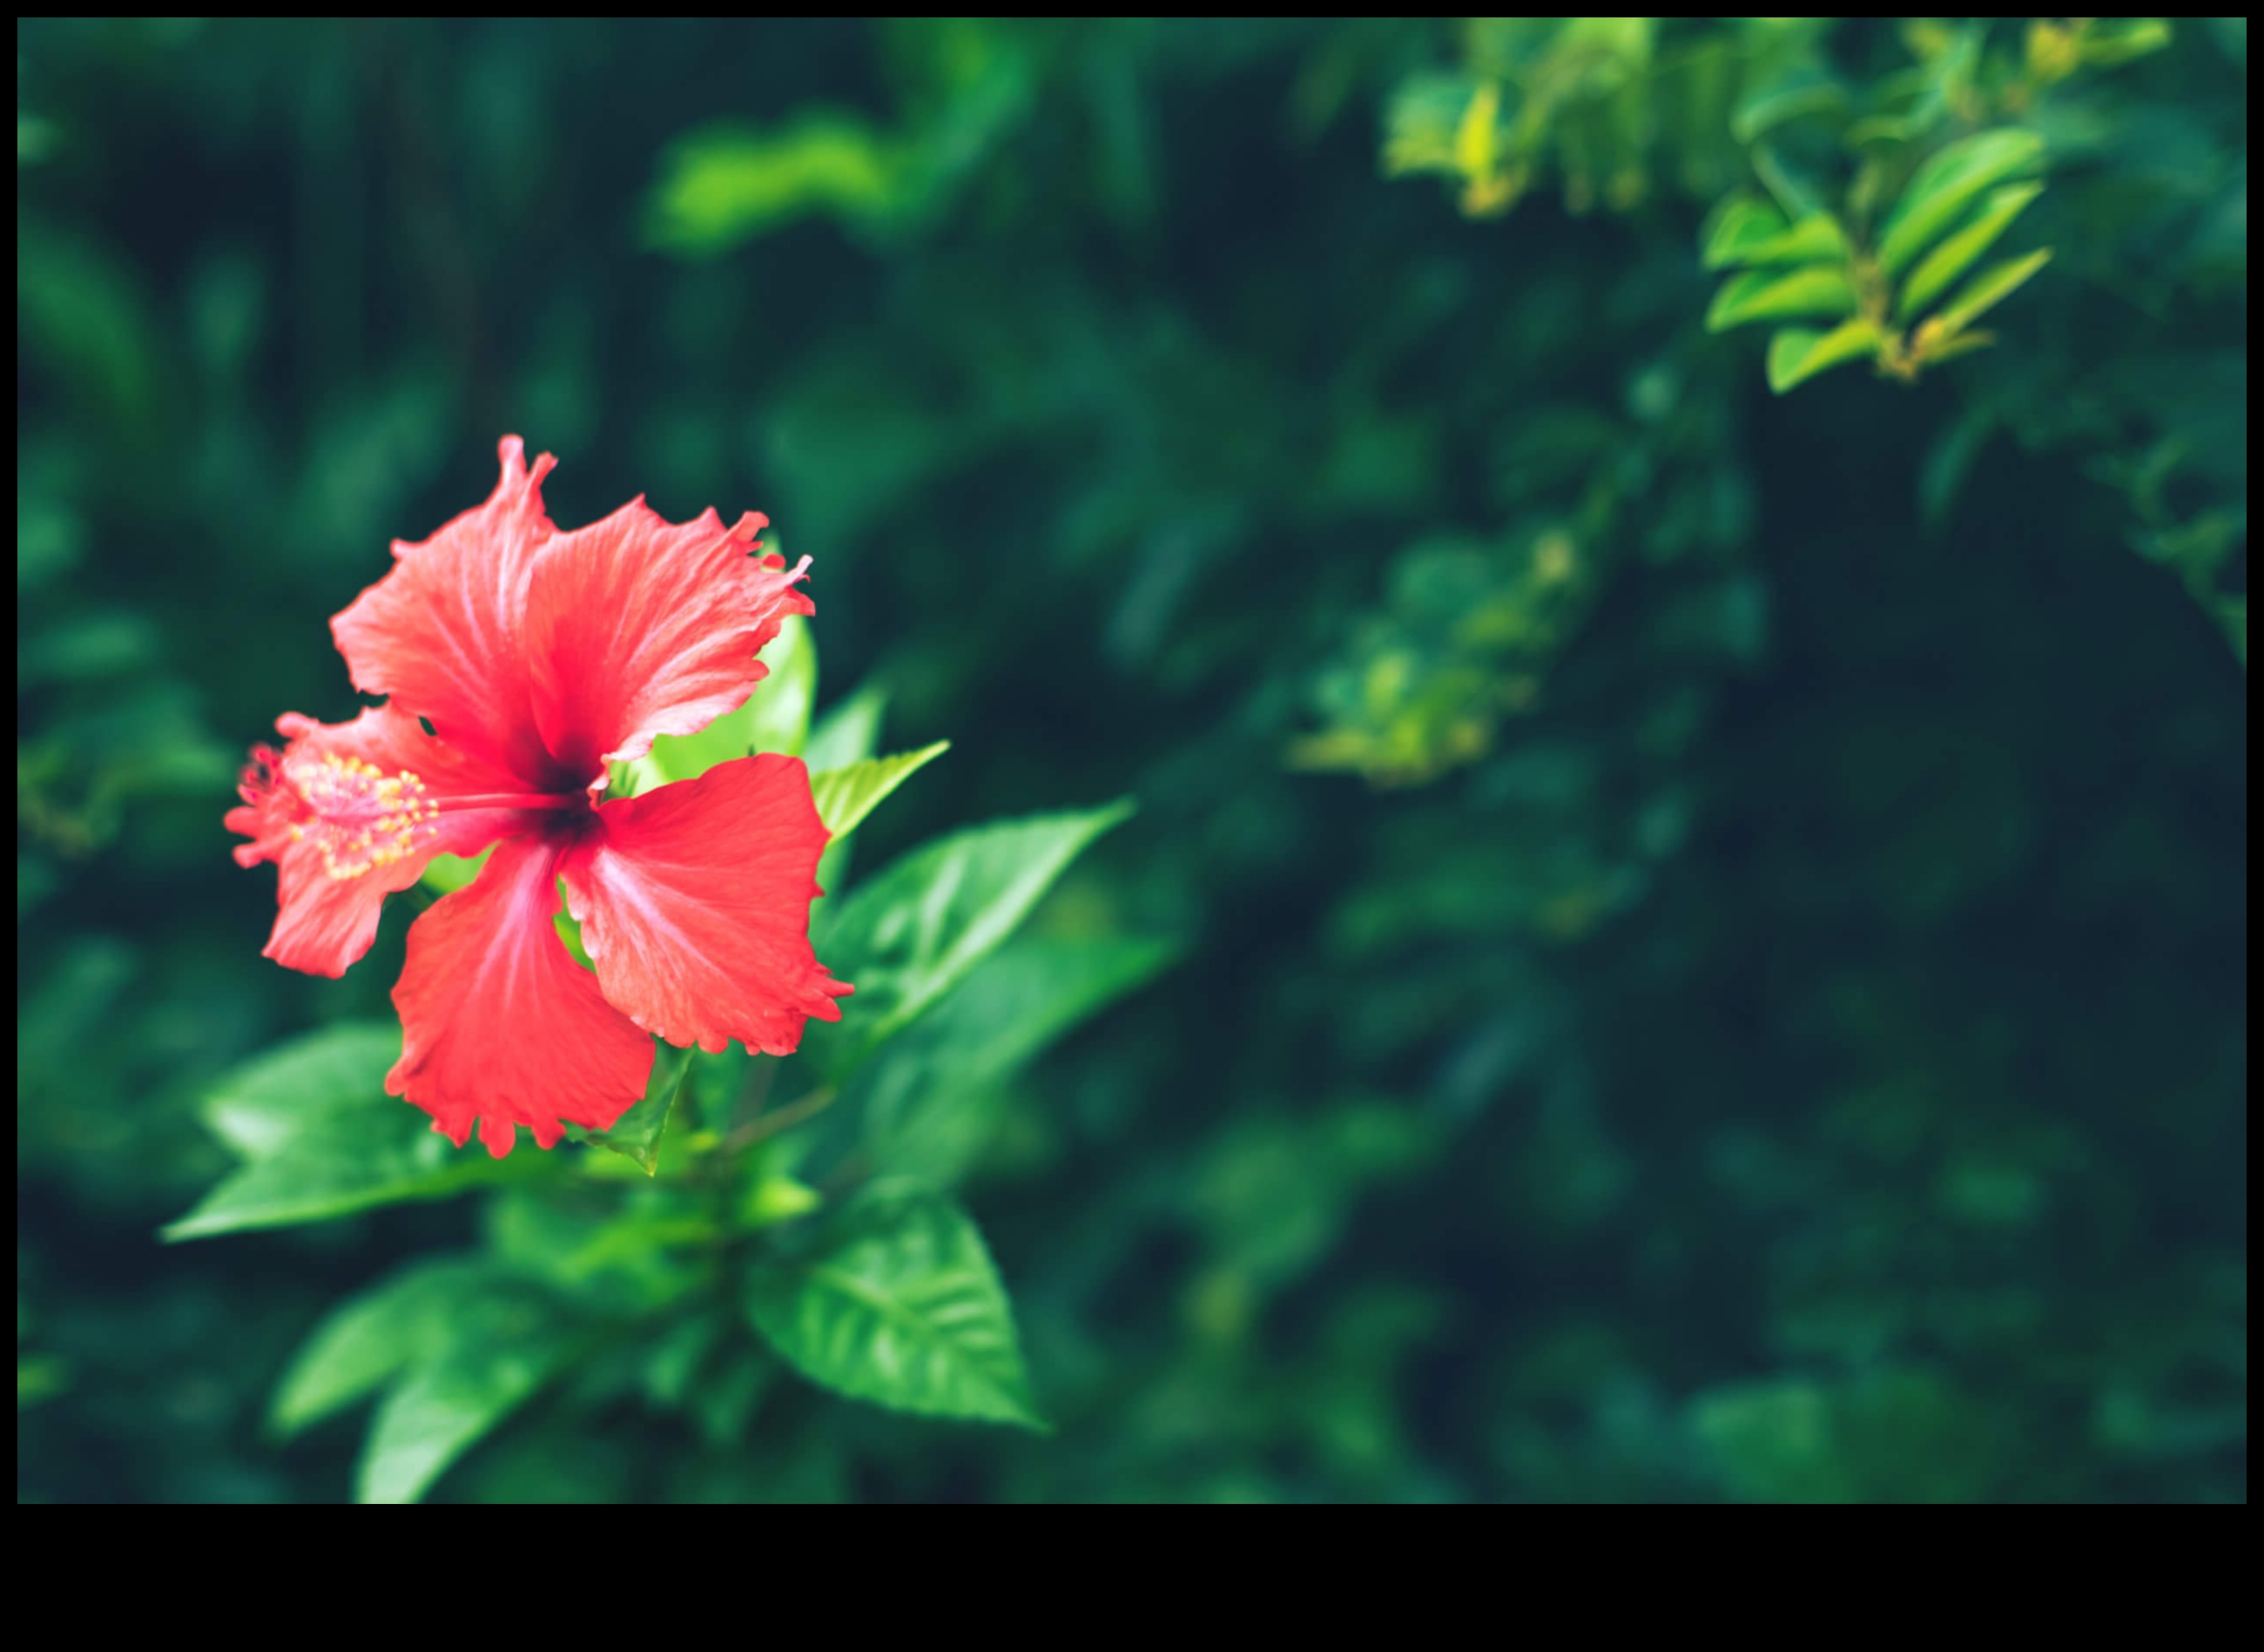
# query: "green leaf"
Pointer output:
{"type": "Point", "coordinates": [1808, 93]}
{"type": "Point", "coordinates": [914, 932]}
{"type": "Point", "coordinates": [461, 1342]}
{"type": "Point", "coordinates": [778, 1197]}
{"type": "Point", "coordinates": [782, 702]}
{"type": "Point", "coordinates": [1983, 293]}
{"type": "Point", "coordinates": [365, 1341]}
{"type": "Point", "coordinates": [1932, 352]}
{"type": "Point", "coordinates": [2111, 44]}
{"type": "Point", "coordinates": [1956, 254]}
{"type": "Point", "coordinates": [847, 733]}
{"type": "Point", "coordinates": [498, 1349]}
{"type": "Point", "coordinates": [320, 1138]}
{"type": "Point", "coordinates": [1821, 289]}
{"type": "Point", "coordinates": [1799, 196]}
{"type": "Point", "coordinates": [449, 873]}
{"type": "Point", "coordinates": [636, 1135]}
{"type": "Point", "coordinates": [927, 1102]}
{"type": "Point", "coordinates": [1797, 352]}
{"type": "Point", "coordinates": [1817, 238]}
{"type": "Point", "coordinates": [1939, 191]}
{"type": "Point", "coordinates": [900, 1306]}
{"type": "Point", "coordinates": [774, 718]}
{"type": "Point", "coordinates": [724, 186]}
{"type": "Point", "coordinates": [1739, 224]}
{"type": "Point", "coordinates": [846, 796]}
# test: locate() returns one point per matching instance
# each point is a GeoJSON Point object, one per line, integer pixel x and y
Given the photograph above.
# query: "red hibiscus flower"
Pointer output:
{"type": "Point", "coordinates": [519, 662]}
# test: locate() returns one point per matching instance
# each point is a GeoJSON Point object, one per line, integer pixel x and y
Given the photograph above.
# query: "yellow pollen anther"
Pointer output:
{"type": "Point", "coordinates": [362, 818]}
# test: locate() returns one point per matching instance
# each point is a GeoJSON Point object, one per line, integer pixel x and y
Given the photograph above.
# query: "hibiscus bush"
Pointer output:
{"type": "Point", "coordinates": [1530, 777]}
{"type": "Point", "coordinates": [626, 839]}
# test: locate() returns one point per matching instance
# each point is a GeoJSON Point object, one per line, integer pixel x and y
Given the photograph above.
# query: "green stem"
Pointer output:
{"type": "Point", "coordinates": [769, 1125]}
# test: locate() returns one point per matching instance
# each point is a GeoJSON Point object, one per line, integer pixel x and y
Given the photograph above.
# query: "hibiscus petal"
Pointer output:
{"type": "Point", "coordinates": [498, 1022]}
{"type": "Point", "coordinates": [637, 627]}
{"type": "Point", "coordinates": [352, 813]}
{"type": "Point", "coordinates": [441, 633]}
{"type": "Point", "coordinates": [694, 905]}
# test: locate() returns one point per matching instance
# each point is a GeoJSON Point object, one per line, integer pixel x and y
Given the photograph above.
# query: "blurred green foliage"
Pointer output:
{"type": "Point", "coordinates": [1761, 1016]}
{"type": "Point", "coordinates": [1856, 178]}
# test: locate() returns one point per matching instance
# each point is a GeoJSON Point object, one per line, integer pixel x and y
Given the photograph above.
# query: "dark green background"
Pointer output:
{"type": "Point", "coordinates": [1804, 1054]}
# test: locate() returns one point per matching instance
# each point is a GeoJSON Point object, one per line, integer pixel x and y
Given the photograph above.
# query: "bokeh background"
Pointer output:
{"type": "Point", "coordinates": [1714, 925]}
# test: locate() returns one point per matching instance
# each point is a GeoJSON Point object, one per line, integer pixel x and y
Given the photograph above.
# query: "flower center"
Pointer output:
{"type": "Point", "coordinates": [359, 817]}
